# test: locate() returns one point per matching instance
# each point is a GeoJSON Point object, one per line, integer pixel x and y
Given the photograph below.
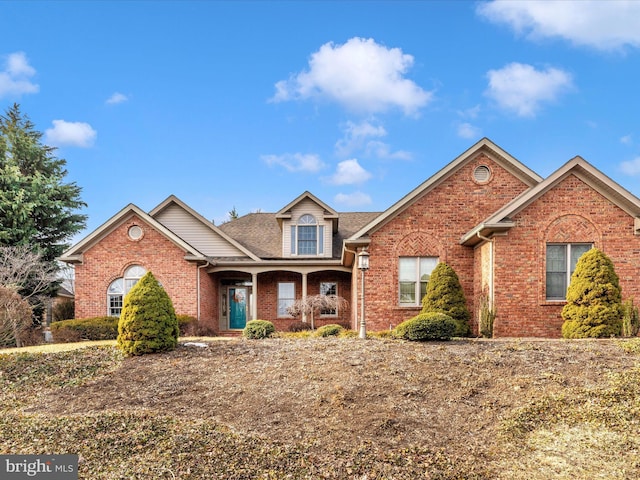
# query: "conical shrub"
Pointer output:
{"type": "Point", "coordinates": [445, 295]}
{"type": "Point", "coordinates": [594, 300]}
{"type": "Point", "coordinates": [148, 322]}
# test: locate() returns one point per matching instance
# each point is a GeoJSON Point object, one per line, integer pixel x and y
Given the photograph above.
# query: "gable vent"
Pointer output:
{"type": "Point", "coordinates": [482, 174]}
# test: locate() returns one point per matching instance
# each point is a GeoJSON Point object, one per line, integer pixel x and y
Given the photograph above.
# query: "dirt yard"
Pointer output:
{"type": "Point", "coordinates": [342, 393]}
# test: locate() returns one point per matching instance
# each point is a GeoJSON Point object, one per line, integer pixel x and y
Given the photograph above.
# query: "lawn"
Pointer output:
{"type": "Point", "coordinates": [335, 408]}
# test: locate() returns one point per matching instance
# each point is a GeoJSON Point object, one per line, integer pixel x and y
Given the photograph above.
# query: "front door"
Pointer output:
{"type": "Point", "coordinates": [237, 302]}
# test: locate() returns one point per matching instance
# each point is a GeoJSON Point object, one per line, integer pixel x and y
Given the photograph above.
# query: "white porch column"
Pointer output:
{"type": "Point", "coordinates": [304, 294]}
{"type": "Point", "coordinates": [254, 293]}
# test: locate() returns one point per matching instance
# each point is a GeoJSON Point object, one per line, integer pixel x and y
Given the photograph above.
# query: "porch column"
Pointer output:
{"type": "Point", "coordinates": [254, 291]}
{"type": "Point", "coordinates": [304, 294]}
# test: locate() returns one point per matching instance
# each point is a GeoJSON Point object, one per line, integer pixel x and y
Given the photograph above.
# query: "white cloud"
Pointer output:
{"type": "Point", "coordinates": [356, 136]}
{"type": "Point", "coordinates": [593, 23]}
{"type": "Point", "coordinates": [472, 112]}
{"type": "Point", "coordinates": [626, 140]}
{"type": "Point", "coordinates": [349, 172]}
{"type": "Point", "coordinates": [356, 199]}
{"type": "Point", "coordinates": [295, 162]}
{"type": "Point", "coordinates": [632, 167]}
{"type": "Point", "coordinates": [74, 134]}
{"type": "Point", "coordinates": [383, 150]}
{"type": "Point", "coordinates": [361, 75]}
{"type": "Point", "coordinates": [15, 79]}
{"type": "Point", "coordinates": [116, 98]}
{"type": "Point", "coordinates": [522, 89]}
{"type": "Point", "coordinates": [466, 130]}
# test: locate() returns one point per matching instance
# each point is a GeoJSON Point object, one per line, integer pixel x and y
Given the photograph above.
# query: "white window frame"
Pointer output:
{"type": "Point", "coordinates": [119, 288]}
{"type": "Point", "coordinates": [569, 267]}
{"type": "Point", "coordinates": [327, 287]}
{"type": "Point", "coordinates": [307, 222]}
{"type": "Point", "coordinates": [414, 279]}
{"type": "Point", "coordinates": [285, 301]}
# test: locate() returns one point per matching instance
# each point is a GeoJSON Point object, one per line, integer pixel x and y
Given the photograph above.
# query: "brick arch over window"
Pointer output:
{"type": "Point", "coordinates": [571, 228]}
{"type": "Point", "coordinates": [564, 240]}
{"type": "Point", "coordinates": [417, 244]}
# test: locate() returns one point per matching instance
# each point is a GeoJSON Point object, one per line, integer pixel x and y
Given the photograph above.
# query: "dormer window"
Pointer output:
{"type": "Point", "coordinates": [307, 237]}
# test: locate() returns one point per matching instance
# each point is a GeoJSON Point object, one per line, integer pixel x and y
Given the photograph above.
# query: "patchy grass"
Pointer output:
{"type": "Point", "coordinates": [334, 408]}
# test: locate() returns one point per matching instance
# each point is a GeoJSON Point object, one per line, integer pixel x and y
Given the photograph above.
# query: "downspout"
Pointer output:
{"type": "Point", "coordinates": [198, 288]}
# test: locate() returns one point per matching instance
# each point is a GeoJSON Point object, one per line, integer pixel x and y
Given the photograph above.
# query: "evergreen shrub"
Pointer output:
{"type": "Point", "coordinates": [148, 321]}
{"type": "Point", "coordinates": [96, 328]}
{"type": "Point", "coordinates": [331, 330]}
{"type": "Point", "coordinates": [258, 329]}
{"type": "Point", "coordinates": [594, 301]}
{"type": "Point", "coordinates": [427, 326]}
{"type": "Point", "coordinates": [445, 295]}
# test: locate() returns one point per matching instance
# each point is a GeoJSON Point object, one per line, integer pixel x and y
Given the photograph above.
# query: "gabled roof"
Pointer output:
{"type": "Point", "coordinates": [261, 232]}
{"type": "Point", "coordinates": [173, 200]}
{"type": "Point", "coordinates": [74, 254]}
{"type": "Point", "coordinates": [501, 221]}
{"type": "Point", "coordinates": [329, 212]}
{"type": "Point", "coordinates": [518, 169]}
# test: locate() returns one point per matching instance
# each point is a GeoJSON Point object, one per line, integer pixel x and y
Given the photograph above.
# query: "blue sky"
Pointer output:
{"type": "Point", "coordinates": [249, 104]}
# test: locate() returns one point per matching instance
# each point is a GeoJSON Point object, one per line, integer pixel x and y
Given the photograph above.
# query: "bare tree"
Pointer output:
{"type": "Point", "coordinates": [15, 317]}
{"type": "Point", "coordinates": [25, 271]}
{"type": "Point", "coordinates": [315, 304]}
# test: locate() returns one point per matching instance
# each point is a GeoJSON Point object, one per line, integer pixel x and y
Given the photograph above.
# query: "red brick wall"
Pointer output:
{"type": "Point", "coordinates": [109, 258]}
{"type": "Point", "coordinates": [433, 226]}
{"type": "Point", "coordinates": [268, 296]}
{"type": "Point", "coordinates": [571, 212]}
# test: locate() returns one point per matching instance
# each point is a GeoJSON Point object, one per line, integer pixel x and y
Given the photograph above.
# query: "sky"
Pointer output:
{"type": "Point", "coordinates": [245, 105]}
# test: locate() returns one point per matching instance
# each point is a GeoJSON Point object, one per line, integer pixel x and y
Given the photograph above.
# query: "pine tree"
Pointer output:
{"type": "Point", "coordinates": [148, 322]}
{"type": "Point", "coordinates": [36, 206]}
{"type": "Point", "coordinates": [594, 300]}
{"type": "Point", "coordinates": [445, 295]}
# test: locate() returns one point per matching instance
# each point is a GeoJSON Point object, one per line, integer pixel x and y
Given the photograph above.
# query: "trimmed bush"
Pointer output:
{"type": "Point", "coordinates": [594, 301]}
{"type": "Point", "coordinates": [427, 326]}
{"type": "Point", "coordinates": [331, 330]}
{"type": "Point", "coordinates": [97, 328]}
{"type": "Point", "coordinates": [444, 294]}
{"type": "Point", "coordinates": [257, 329]}
{"type": "Point", "coordinates": [148, 321]}
{"type": "Point", "coordinates": [299, 327]}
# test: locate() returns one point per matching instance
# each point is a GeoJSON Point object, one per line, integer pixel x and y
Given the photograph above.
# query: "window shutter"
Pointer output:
{"type": "Point", "coordinates": [321, 240]}
{"type": "Point", "coordinates": [293, 240]}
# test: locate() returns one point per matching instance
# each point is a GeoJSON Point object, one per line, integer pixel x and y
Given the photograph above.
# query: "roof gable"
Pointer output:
{"type": "Point", "coordinates": [74, 254]}
{"type": "Point", "coordinates": [501, 220]}
{"type": "Point", "coordinates": [197, 230]}
{"type": "Point", "coordinates": [509, 163]}
{"type": "Point", "coordinates": [329, 213]}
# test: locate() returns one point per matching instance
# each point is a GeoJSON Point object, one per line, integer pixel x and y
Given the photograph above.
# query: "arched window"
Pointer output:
{"type": "Point", "coordinates": [120, 287]}
{"type": "Point", "coordinates": [307, 237]}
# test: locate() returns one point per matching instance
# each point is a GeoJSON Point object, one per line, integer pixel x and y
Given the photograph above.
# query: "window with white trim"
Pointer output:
{"type": "Point", "coordinates": [561, 263]}
{"type": "Point", "coordinates": [413, 275]}
{"type": "Point", "coordinates": [329, 288]}
{"type": "Point", "coordinates": [119, 288]}
{"type": "Point", "coordinates": [286, 297]}
{"type": "Point", "coordinates": [307, 236]}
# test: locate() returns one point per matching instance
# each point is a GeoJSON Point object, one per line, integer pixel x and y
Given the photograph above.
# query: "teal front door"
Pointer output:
{"type": "Point", "coordinates": [237, 307]}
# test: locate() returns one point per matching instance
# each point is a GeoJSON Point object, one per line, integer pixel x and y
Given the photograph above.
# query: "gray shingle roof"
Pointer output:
{"type": "Point", "coordinates": [261, 233]}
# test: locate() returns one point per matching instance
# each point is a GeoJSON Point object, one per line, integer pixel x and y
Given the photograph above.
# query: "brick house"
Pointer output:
{"type": "Point", "coordinates": [510, 235]}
